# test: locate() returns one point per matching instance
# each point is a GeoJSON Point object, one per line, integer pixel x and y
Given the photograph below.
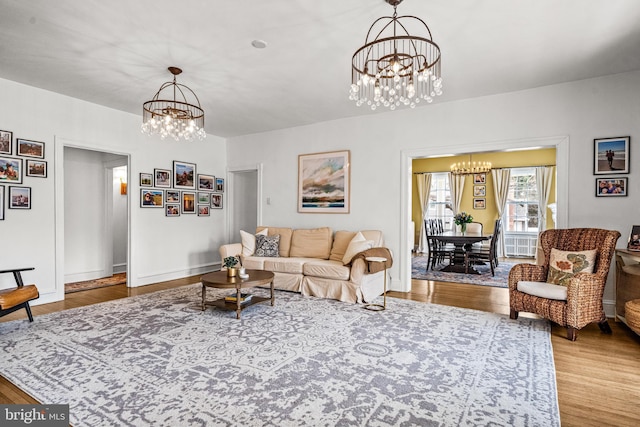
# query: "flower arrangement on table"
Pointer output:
{"type": "Point", "coordinates": [232, 261]}
{"type": "Point", "coordinates": [462, 219]}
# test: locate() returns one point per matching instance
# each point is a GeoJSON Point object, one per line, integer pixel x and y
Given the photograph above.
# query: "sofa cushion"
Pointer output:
{"type": "Point", "coordinates": [375, 235]}
{"type": "Point", "coordinates": [327, 268]}
{"type": "Point", "coordinates": [249, 241]}
{"type": "Point", "coordinates": [289, 265]}
{"type": "Point", "coordinates": [543, 290]}
{"type": "Point", "coordinates": [285, 233]}
{"type": "Point", "coordinates": [267, 246]}
{"type": "Point", "coordinates": [311, 243]}
{"type": "Point", "coordinates": [357, 244]}
{"type": "Point", "coordinates": [341, 241]}
{"type": "Point", "coordinates": [563, 265]}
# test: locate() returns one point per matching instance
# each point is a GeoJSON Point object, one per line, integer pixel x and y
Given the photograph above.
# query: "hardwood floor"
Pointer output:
{"type": "Point", "coordinates": [598, 375]}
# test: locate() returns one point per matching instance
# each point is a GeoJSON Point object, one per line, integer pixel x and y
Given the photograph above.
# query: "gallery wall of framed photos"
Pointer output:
{"type": "Point", "coordinates": [20, 160]}
{"type": "Point", "coordinates": [181, 190]}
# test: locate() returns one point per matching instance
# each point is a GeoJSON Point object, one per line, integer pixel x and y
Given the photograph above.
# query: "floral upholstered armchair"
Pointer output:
{"type": "Point", "coordinates": [567, 286]}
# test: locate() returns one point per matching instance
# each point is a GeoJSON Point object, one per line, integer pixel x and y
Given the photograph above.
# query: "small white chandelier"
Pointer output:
{"type": "Point", "coordinates": [396, 68]}
{"type": "Point", "coordinates": [175, 117]}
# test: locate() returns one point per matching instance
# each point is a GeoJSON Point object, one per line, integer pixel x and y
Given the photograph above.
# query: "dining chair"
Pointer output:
{"type": "Point", "coordinates": [437, 250]}
{"type": "Point", "coordinates": [481, 254]}
{"type": "Point", "coordinates": [474, 227]}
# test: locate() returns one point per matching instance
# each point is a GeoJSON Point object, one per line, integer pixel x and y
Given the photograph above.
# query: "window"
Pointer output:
{"type": "Point", "coordinates": [440, 200]}
{"type": "Point", "coordinates": [520, 217]}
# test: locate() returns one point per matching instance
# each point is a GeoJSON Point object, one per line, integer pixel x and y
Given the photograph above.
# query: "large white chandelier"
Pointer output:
{"type": "Point", "coordinates": [395, 68]}
{"type": "Point", "coordinates": [174, 116]}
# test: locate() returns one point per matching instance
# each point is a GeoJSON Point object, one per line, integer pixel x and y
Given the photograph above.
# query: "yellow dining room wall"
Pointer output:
{"type": "Point", "coordinates": [512, 159]}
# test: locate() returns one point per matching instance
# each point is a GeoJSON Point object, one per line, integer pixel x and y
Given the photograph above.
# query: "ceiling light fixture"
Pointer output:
{"type": "Point", "coordinates": [177, 118]}
{"type": "Point", "coordinates": [467, 168]}
{"type": "Point", "coordinates": [396, 68]}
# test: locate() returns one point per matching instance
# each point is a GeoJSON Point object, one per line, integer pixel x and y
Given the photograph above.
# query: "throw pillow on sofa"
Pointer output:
{"type": "Point", "coordinates": [357, 244]}
{"type": "Point", "coordinates": [267, 246]}
{"type": "Point", "coordinates": [249, 241]}
{"type": "Point", "coordinates": [563, 265]}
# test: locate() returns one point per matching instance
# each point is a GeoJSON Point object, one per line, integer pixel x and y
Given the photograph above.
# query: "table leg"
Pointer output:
{"type": "Point", "coordinates": [238, 303]}
{"type": "Point", "coordinates": [204, 295]}
{"type": "Point", "coordinates": [273, 295]}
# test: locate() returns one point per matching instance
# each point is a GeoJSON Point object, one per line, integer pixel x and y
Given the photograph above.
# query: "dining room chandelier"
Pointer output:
{"type": "Point", "coordinates": [467, 168]}
{"type": "Point", "coordinates": [394, 68]}
{"type": "Point", "coordinates": [175, 113]}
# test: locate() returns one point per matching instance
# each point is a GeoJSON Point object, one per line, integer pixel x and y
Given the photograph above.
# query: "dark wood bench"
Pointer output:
{"type": "Point", "coordinates": [13, 299]}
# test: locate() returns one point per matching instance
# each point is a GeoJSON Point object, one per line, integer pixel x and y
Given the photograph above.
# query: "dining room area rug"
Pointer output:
{"type": "Point", "coordinates": [500, 280]}
{"type": "Point", "coordinates": [159, 360]}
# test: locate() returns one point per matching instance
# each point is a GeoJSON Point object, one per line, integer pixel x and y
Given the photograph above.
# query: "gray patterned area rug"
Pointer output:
{"type": "Point", "coordinates": [157, 360]}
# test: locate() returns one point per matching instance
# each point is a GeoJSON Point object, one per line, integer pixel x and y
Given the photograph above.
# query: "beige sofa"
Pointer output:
{"type": "Point", "coordinates": [312, 261]}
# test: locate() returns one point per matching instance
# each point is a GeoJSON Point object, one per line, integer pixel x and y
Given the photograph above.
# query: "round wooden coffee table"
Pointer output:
{"type": "Point", "coordinates": [220, 280]}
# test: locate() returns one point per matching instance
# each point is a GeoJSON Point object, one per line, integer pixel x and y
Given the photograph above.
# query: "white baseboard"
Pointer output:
{"type": "Point", "coordinates": [120, 268]}
{"type": "Point", "coordinates": [173, 275]}
{"type": "Point", "coordinates": [609, 308]}
{"type": "Point", "coordinates": [84, 275]}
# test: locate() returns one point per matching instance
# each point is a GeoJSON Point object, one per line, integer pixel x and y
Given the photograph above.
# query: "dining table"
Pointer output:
{"type": "Point", "coordinates": [462, 242]}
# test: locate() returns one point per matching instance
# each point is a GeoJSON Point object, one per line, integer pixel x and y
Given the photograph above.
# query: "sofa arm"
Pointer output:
{"type": "Point", "coordinates": [359, 268]}
{"type": "Point", "coordinates": [231, 249]}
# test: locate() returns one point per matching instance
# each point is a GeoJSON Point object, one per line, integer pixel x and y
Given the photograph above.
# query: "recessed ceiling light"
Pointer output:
{"type": "Point", "coordinates": [259, 44]}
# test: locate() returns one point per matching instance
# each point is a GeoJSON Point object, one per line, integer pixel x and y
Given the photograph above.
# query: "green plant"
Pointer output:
{"type": "Point", "coordinates": [462, 218]}
{"type": "Point", "coordinates": [230, 261]}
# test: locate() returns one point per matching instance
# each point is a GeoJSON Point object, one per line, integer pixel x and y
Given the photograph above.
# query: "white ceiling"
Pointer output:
{"type": "Point", "coordinates": [116, 52]}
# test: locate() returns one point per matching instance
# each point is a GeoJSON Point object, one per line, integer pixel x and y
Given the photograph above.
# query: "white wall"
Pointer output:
{"type": "Point", "coordinates": [583, 110]}
{"type": "Point", "coordinates": [160, 248]}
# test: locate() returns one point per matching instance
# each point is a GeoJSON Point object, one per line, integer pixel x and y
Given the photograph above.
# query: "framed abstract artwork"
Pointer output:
{"type": "Point", "coordinates": [611, 155]}
{"type": "Point", "coordinates": [324, 182]}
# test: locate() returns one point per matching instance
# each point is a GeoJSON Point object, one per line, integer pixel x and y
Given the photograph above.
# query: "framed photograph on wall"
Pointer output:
{"type": "Point", "coordinates": [1, 202]}
{"type": "Point", "coordinates": [151, 198]}
{"type": "Point", "coordinates": [479, 178]}
{"type": "Point", "coordinates": [206, 182]}
{"type": "Point", "coordinates": [611, 187]}
{"type": "Point", "coordinates": [172, 196]}
{"type": "Point", "coordinates": [162, 178]}
{"type": "Point", "coordinates": [479, 204]}
{"type": "Point", "coordinates": [146, 180]}
{"type": "Point", "coordinates": [220, 185]}
{"type": "Point", "coordinates": [10, 170]}
{"type": "Point", "coordinates": [184, 175]}
{"type": "Point", "coordinates": [203, 210]}
{"type": "Point", "coordinates": [37, 168]}
{"type": "Point", "coordinates": [611, 155]}
{"type": "Point", "coordinates": [19, 197]}
{"type": "Point", "coordinates": [28, 148]}
{"type": "Point", "coordinates": [172, 209]}
{"type": "Point", "coordinates": [6, 142]}
{"type": "Point", "coordinates": [204, 198]}
{"type": "Point", "coordinates": [188, 202]}
{"type": "Point", "coordinates": [633, 243]}
{"type": "Point", "coordinates": [324, 182]}
{"type": "Point", "coordinates": [479, 190]}
{"type": "Point", "coordinates": [216, 201]}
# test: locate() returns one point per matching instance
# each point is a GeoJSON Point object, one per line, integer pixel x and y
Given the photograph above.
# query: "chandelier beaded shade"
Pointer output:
{"type": "Point", "coordinates": [174, 115]}
{"type": "Point", "coordinates": [394, 68]}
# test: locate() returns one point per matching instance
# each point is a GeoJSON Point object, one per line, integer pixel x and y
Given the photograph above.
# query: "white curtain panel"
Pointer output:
{"type": "Point", "coordinates": [501, 179]}
{"type": "Point", "coordinates": [456, 185]}
{"type": "Point", "coordinates": [424, 189]}
{"type": "Point", "coordinates": [544, 177]}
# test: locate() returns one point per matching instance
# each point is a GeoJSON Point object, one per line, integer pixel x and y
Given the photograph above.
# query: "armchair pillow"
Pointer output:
{"type": "Point", "coordinates": [563, 265]}
{"type": "Point", "coordinates": [249, 241]}
{"type": "Point", "coordinates": [267, 246]}
{"type": "Point", "coordinates": [357, 244]}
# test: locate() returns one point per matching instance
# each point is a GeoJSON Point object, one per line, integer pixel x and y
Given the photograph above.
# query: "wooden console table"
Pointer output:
{"type": "Point", "coordinates": [627, 280]}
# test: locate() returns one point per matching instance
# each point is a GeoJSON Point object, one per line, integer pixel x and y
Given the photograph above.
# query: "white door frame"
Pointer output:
{"type": "Point", "coordinates": [561, 144]}
{"type": "Point", "coordinates": [59, 144]}
{"type": "Point", "coordinates": [231, 171]}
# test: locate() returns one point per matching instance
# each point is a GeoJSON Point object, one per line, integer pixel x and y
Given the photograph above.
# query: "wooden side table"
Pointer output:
{"type": "Point", "coordinates": [627, 280]}
{"type": "Point", "coordinates": [378, 307]}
